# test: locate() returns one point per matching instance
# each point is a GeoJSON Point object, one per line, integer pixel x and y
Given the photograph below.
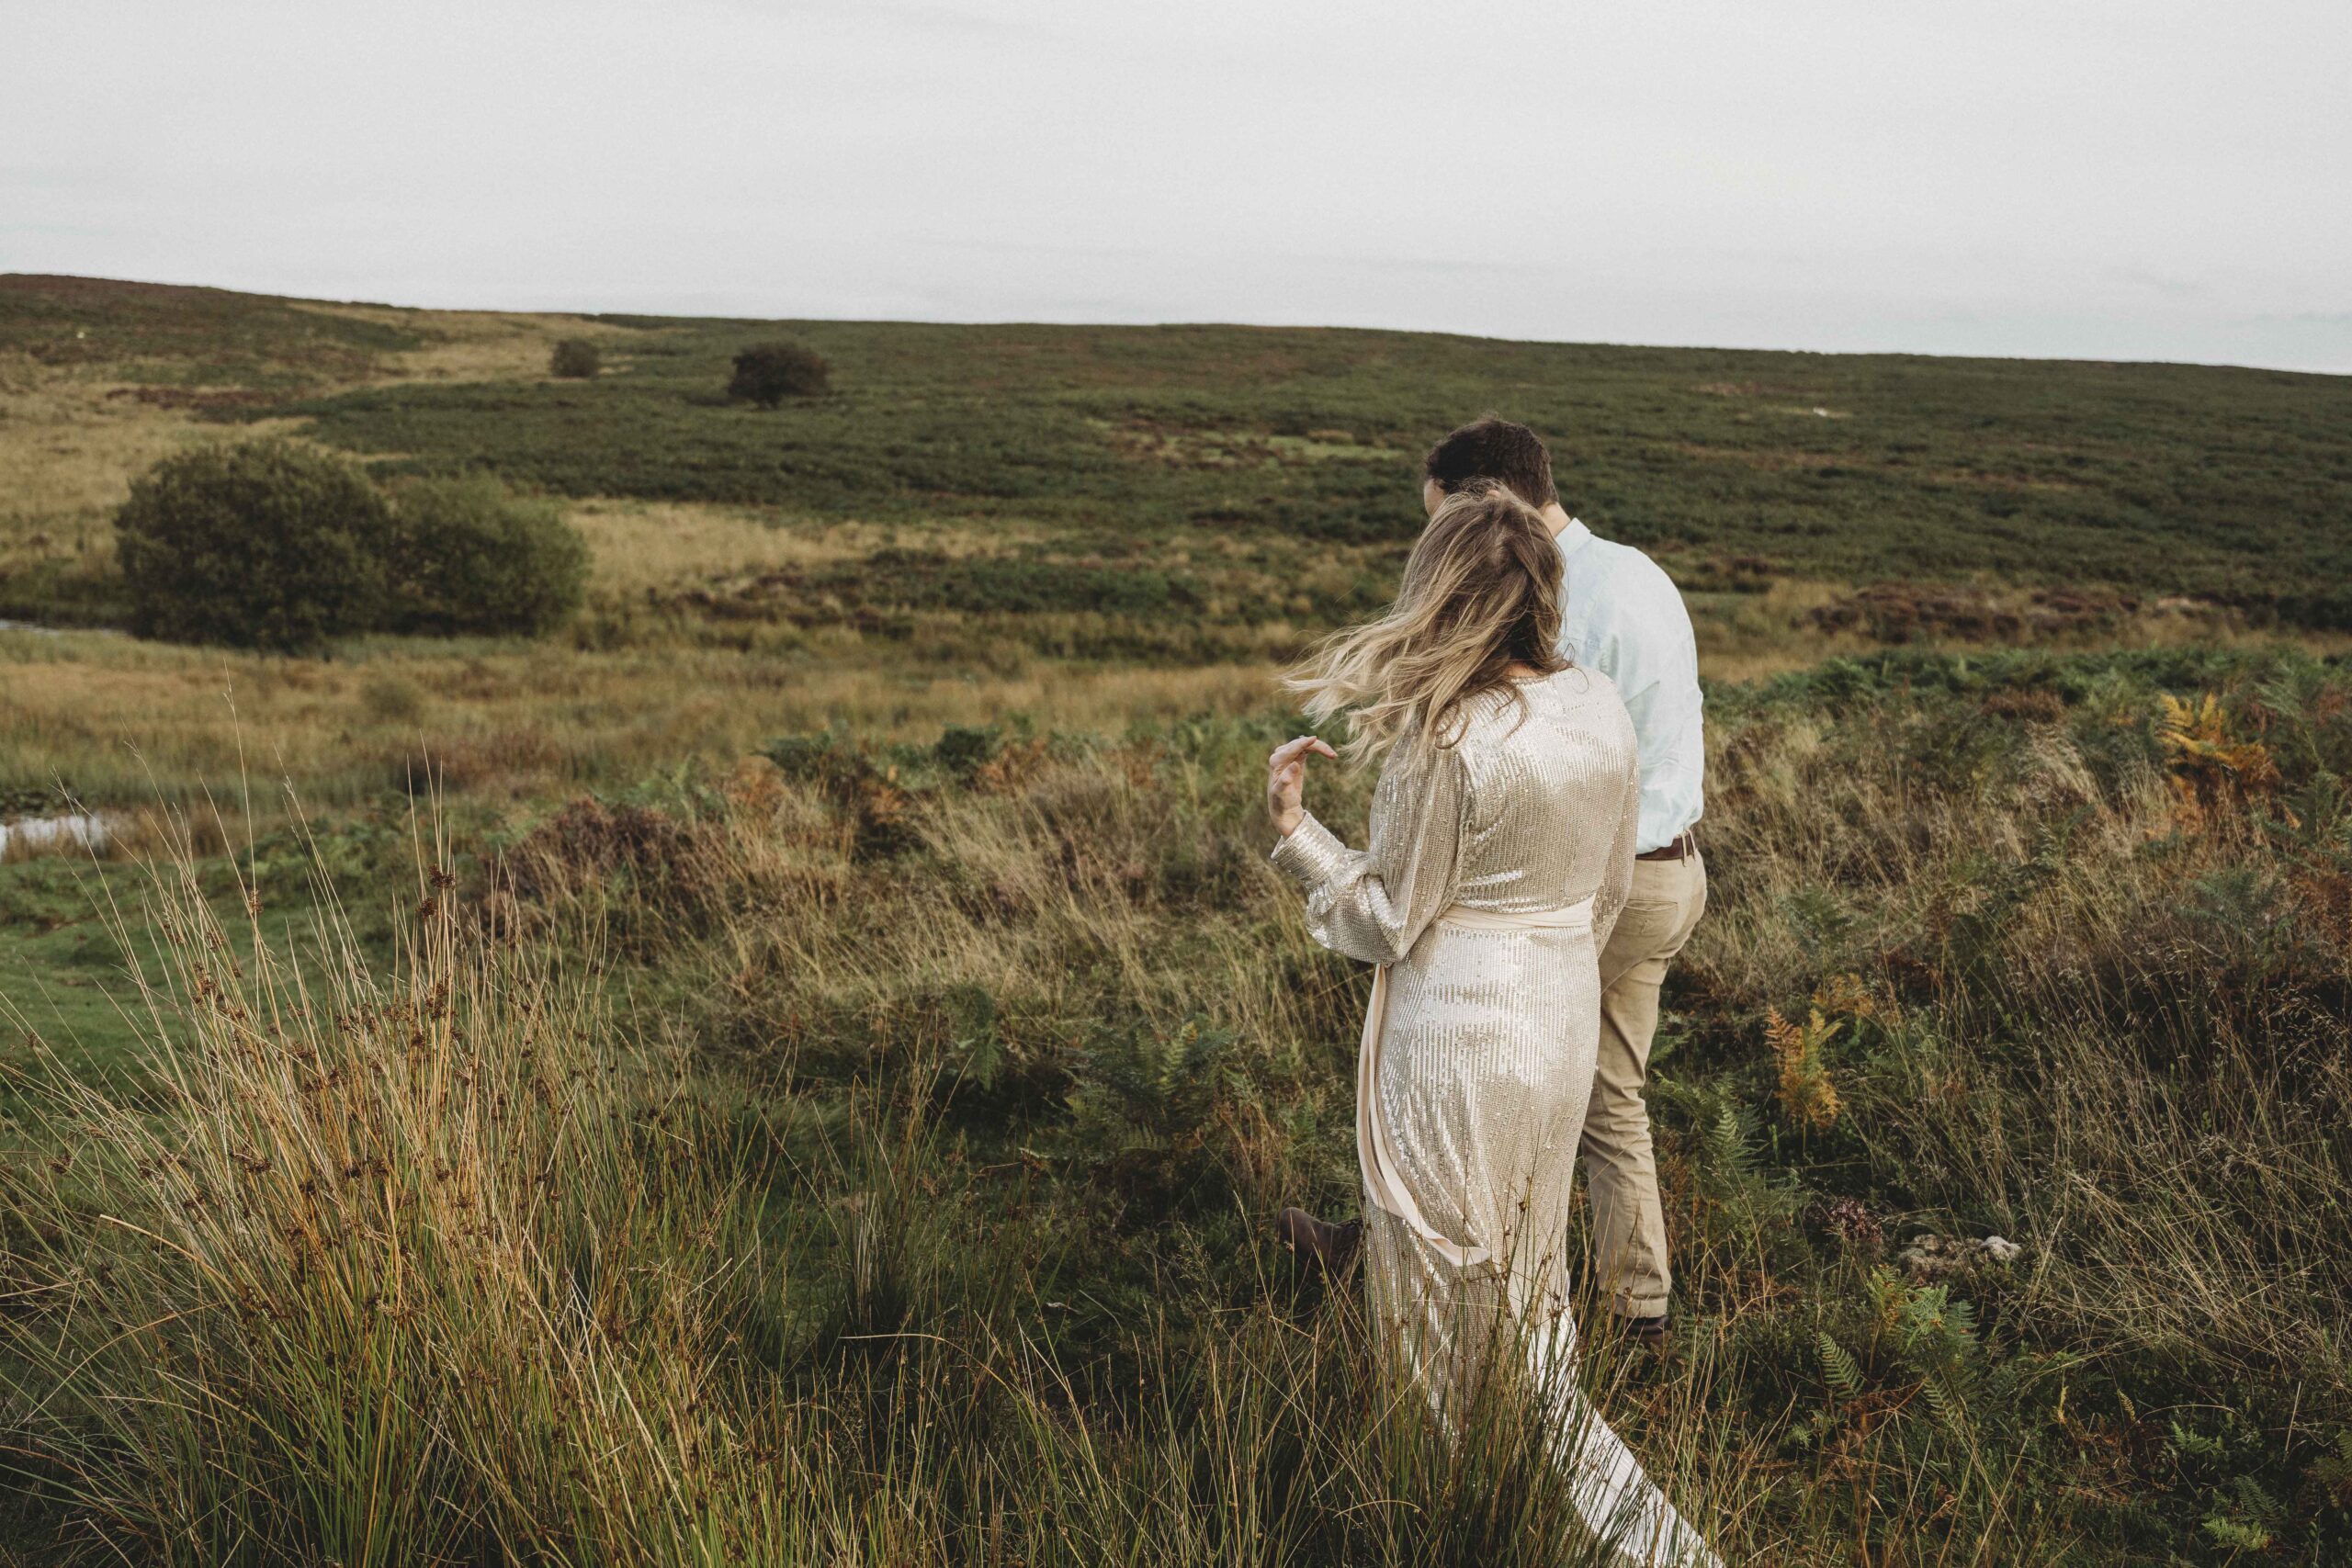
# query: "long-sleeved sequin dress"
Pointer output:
{"type": "Point", "coordinates": [1497, 865]}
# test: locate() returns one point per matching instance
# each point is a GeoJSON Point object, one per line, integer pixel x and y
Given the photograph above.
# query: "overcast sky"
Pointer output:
{"type": "Point", "coordinates": [2138, 179]}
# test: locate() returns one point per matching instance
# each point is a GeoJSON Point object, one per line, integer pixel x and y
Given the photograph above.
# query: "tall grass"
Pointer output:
{"type": "Point", "coordinates": [439, 1264]}
{"type": "Point", "coordinates": [2081, 988]}
{"type": "Point", "coordinates": [378, 1269]}
{"type": "Point", "coordinates": [866, 1157]}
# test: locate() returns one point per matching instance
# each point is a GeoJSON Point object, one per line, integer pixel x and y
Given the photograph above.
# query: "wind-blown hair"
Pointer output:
{"type": "Point", "coordinates": [1481, 593]}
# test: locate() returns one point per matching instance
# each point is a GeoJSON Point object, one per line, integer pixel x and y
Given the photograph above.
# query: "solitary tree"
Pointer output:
{"type": "Point", "coordinates": [574, 359]}
{"type": "Point", "coordinates": [767, 373]}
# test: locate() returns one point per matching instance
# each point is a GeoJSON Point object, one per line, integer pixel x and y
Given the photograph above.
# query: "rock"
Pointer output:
{"type": "Point", "coordinates": [1930, 1258]}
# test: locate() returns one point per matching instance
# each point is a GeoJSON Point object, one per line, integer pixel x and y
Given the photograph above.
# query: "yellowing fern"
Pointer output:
{"type": "Point", "coordinates": [1806, 1092]}
{"type": "Point", "coordinates": [1845, 996]}
{"type": "Point", "coordinates": [2205, 767]}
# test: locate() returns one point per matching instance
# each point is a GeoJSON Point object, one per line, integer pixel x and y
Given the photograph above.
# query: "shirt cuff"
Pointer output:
{"type": "Point", "coordinates": [1311, 853]}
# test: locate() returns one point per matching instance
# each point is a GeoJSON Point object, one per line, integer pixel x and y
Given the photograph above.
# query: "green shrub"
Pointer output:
{"type": "Point", "coordinates": [265, 545]}
{"type": "Point", "coordinates": [767, 373]}
{"type": "Point", "coordinates": [464, 556]}
{"type": "Point", "coordinates": [575, 359]}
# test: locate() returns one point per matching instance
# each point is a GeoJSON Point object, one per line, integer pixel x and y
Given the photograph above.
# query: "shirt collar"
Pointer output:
{"type": "Point", "coordinates": [1574, 537]}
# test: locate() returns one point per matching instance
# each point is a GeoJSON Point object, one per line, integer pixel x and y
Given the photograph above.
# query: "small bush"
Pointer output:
{"type": "Point", "coordinates": [265, 545]}
{"type": "Point", "coordinates": [391, 699]}
{"type": "Point", "coordinates": [464, 556]}
{"type": "Point", "coordinates": [767, 373]}
{"type": "Point", "coordinates": [575, 359]}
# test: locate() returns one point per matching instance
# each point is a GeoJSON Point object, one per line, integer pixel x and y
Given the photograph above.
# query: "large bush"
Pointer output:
{"type": "Point", "coordinates": [464, 556]}
{"type": "Point", "coordinates": [575, 359]}
{"type": "Point", "coordinates": [265, 545]}
{"type": "Point", "coordinates": [767, 373]}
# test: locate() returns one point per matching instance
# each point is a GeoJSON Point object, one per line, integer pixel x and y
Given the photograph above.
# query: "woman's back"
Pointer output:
{"type": "Point", "coordinates": [1547, 782]}
{"type": "Point", "coordinates": [1501, 850]}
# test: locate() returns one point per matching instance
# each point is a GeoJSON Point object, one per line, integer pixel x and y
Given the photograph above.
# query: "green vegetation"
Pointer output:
{"type": "Point", "coordinates": [799, 1067]}
{"type": "Point", "coordinates": [767, 373]}
{"type": "Point", "coordinates": [916, 1169]}
{"type": "Point", "coordinates": [463, 555]}
{"type": "Point", "coordinates": [575, 359]}
{"type": "Point", "coordinates": [266, 545]}
{"type": "Point", "coordinates": [2147, 480]}
{"type": "Point", "coordinates": [272, 546]}
{"type": "Point", "coordinates": [201, 346]}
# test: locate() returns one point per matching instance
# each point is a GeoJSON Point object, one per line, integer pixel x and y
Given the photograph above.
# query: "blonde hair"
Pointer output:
{"type": "Point", "coordinates": [1481, 593]}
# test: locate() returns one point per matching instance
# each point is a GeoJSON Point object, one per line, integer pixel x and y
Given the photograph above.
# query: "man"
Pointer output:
{"type": "Point", "coordinates": [1621, 614]}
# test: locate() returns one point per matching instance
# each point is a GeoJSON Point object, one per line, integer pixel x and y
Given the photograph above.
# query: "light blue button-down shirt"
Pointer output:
{"type": "Point", "coordinates": [1623, 617]}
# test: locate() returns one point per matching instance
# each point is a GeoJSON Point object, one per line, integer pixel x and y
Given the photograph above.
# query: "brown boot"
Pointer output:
{"type": "Point", "coordinates": [1320, 1244]}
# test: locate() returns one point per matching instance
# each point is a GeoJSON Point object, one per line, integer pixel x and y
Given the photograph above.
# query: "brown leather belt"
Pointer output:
{"type": "Point", "coordinates": [1683, 848]}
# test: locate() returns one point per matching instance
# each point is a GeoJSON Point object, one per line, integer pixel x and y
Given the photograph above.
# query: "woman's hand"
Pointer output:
{"type": "Point", "coordinates": [1287, 780]}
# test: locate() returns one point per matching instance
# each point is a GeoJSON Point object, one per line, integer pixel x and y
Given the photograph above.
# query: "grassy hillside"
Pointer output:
{"type": "Point", "coordinates": [1235, 458]}
{"type": "Point", "coordinates": [798, 1067]}
{"type": "Point", "coordinates": [1082, 527]}
{"type": "Point", "coordinates": [2230, 484]}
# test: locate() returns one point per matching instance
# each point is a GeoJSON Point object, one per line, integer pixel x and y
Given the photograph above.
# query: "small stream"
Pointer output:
{"type": "Point", "coordinates": [79, 831]}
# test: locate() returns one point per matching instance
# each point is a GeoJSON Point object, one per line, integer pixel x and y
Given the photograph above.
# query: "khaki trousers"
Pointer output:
{"type": "Point", "coordinates": [1620, 1167]}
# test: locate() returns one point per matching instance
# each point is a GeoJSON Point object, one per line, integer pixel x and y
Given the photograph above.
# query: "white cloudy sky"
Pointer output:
{"type": "Point", "coordinates": [2105, 178]}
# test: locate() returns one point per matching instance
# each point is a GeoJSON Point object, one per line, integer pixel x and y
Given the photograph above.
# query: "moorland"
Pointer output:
{"type": "Point", "coordinates": [797, 1065]}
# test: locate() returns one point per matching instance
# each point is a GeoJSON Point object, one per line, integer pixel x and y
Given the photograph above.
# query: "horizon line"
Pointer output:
{"type": "Point", "coordinates": [1333, 326]}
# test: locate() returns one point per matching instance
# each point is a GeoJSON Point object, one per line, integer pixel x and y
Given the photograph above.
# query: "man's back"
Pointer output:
{"type": "Point", "coordinates": [1623, 616]}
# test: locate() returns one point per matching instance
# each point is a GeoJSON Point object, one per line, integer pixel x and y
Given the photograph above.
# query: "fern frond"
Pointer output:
{"type": "Point", "coordinates": [1942, 1398]}
{"type": "Point", "coordinates": [2230, 1532]}
{"type": "Point", "coordinates": [2196, 1445]}
{"type": "Point", "coordinates": [1838, 1367]}
{"type": "Point", "coordinates": [1727, 1143]}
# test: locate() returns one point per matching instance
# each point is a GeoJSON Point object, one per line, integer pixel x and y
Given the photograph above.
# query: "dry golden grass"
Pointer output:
{"type": "Point", "coordinates": [68, 448]}
{"type": "Point", "coordinates": [477, 345]}
{"type": "Point", "coordinates": [639, 546]}
{"type": "Point", "coordinates": [106, 713]}
{"type": "Point", "coordinates": [636, 693]}
{"type": "Point", "coordinates": [1754, 636]}
{"type": "Point", "coordinates": [2068, 1042]}
{"type": "Point", "coordinates": [438, 1263]}
{"type": "Point", "coordinates": [72, 437]}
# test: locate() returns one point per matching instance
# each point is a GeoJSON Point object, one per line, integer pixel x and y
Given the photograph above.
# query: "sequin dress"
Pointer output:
{"type": "Point", "coordinates": [1497, 865]}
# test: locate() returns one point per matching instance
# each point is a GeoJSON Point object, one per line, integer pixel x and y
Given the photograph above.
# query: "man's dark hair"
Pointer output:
{"type": "Point", "coordinates": [1497, 449]}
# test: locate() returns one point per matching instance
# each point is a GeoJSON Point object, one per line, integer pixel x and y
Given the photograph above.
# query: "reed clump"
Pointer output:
{"type": "Point", "coordinates": [379, 1267]}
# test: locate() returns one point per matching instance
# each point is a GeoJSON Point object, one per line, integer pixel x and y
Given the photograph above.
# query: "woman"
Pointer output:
{"type": "Point", "coordinates": [1502, 846]}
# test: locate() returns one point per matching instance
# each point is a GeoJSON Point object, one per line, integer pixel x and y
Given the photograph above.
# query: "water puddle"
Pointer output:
{"type": "Point", "coordinates": [81, 831]}
{"type": "Point", "coordinates": [38, 630]}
